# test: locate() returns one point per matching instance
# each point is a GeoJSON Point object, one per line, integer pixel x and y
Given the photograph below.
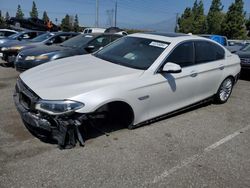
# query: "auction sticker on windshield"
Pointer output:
{"type": "Point", "coordinates": [158, 44]}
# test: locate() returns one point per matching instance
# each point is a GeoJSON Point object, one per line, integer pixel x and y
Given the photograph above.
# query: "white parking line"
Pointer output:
{"type": "Point", "coordinates": [195, 157]}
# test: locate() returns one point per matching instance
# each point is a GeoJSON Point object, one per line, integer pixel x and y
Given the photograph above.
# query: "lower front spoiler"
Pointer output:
{"type": "Point", "coordinates": [63, 131]}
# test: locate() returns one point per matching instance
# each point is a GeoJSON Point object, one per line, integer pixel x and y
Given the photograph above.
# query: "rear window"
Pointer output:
{"type": "Point", "coordinates": [207, 51]}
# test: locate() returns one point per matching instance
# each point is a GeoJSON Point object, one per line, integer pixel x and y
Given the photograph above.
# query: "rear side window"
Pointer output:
{"type": "Point", "coordinates": [182, 55]}
{"type": "Point", "coordinates": [207, 51]}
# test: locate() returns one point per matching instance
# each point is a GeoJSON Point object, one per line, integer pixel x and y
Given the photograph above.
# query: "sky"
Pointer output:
{"type": "Point", "coordinates": [140, 14]}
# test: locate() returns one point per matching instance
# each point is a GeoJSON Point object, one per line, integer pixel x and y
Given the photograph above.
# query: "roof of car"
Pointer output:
{"type": "Point", "coordinates": [62, 32]}
{"type": "Point", "coordinates": [167, 37]}
{"type": "Point", "coordinates": [9, 30]}
{"type": "Point", "coordinates": [168, 34]}
{"type": "Point", "coordinates": [97, 34]}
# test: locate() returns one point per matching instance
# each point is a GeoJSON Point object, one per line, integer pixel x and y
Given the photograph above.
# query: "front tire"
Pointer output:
{"type": "Point", "coordinates": [224, 91]}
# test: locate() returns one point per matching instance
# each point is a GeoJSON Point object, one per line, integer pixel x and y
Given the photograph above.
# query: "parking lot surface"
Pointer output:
{"type": "Point", "coordinates": [205, 147]}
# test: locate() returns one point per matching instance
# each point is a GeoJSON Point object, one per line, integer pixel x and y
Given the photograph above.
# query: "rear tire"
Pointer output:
{"type": "Point", "coordinates": [224, 91]}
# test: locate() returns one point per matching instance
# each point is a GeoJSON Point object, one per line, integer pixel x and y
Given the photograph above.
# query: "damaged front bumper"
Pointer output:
{"type": "Point", "coordinates": [66, 131]}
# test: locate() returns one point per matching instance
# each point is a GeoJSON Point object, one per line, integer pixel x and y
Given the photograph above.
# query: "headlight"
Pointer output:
{"type": "Point", "coordinates": [58, 107]}
{"type": "Point", "coordinates": [16, 47]}
{"type": "Point", "coordinates": [30, 58]}
{"type": "Point", "coordinates": [40, 57]}
{"type": "Point", "coordinates": [4, 49]}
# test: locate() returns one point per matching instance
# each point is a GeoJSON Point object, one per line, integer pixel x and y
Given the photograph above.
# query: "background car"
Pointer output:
{"type": "Point", "coordinates": [93, 30]}
{"type": "Point", "coordinates": [218, 38]}
{"type": "Point", "coordinates": [79, 45]}
{"type": "Point", "coordinates": [24, 35]}
{"type": "Point", "coordinates": [31, 23]}
{"type": "Point", "coordinates": [11, 49]}
{"type": "Point", "coordinates": [129, 82]}
{"type": "Point", "coordinates": [244, 55]}
{"type": "Point", "coordinates": [4, 33]}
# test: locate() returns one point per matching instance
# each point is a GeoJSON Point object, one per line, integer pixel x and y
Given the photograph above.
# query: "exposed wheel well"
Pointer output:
{"type": "Point", "coordinates": [232, 77]}
{"type": "Point", "coordinates": [119, 113]}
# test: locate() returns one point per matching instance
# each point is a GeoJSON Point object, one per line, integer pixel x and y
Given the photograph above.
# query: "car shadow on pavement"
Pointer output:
{"type": "Point", "coordinates": [245, 75]}
{"type": "Point", "coordinates": [5, 65]}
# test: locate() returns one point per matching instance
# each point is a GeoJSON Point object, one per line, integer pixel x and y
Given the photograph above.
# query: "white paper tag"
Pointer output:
{"type": "Point", "coordinates": [158, 44]}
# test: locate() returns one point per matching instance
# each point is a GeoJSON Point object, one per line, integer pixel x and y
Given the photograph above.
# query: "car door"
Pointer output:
{"type": "Point", "coordinates": [171, 91]}
{"type": "Point", "coordinates": [210, 62]}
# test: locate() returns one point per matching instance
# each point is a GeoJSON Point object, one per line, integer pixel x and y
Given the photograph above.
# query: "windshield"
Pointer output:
{"type": "Point", "coordinates": [133, 52]}
{"type": "Point", "coordinates": [42, 37]}
{"type": "Point", "coordinates": [246, 48]}
{"type": "Point", "coordinates": [78, 41]}
{"type": "Point", "coordinates": [14, 36]}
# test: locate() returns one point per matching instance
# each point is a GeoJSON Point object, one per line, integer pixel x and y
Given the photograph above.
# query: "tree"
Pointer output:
{"type": "Point", "coordinates": [19, 13]}
{"type": "Point", "coordinates": [45, 17]}
{"type": "Point", "coordinates": [2, 21]}
{"type": "Point", "coordinates": [76, 24]}
{"type": "Point", "coordinates": [7, 16]}
{"type": "Point", "coordinates": [248, 26]}
{"type": "Point", "coordinates": [185, 21]}
{"type": "Point", "coordinates": [193, 20]}
{"type": "Point", "coordinates": [215, 17]}
{"type": "Point", "coordinates": [199, 19]}
{"type": "Point", "coordinates": [65, 25]}
{"type": "Point", "coordinates": [34, 12]}
{"type": "Point", "coordinates": [234, 23]}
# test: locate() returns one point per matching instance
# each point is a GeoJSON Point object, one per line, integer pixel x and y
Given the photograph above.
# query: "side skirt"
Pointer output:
{"type": "Point", "coordinates": [170, 114]}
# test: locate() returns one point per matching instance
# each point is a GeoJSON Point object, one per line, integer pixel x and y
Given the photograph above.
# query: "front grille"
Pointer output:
{"type": "Point", "coordinates": [245, 60]}
{"type": "Point", "coordinates": [27, 97]}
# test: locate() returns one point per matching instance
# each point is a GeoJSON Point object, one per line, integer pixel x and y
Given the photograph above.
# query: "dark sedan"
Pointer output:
{"type": "Point", "coordinates": [79, 45]}
{"type": "Point", "coordinates": [244, 55]}
{"type": "Point", "coordinates": [24, 35]}
{"type": "Point", "coordinates": [11, 49]}
{"type": "Point", "coordinates": [31, 23]}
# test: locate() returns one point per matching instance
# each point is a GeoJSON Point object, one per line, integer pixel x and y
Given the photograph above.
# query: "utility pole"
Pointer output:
{"type": "Point", "coordinates": [115, 12]}
{"type": "Point", "coordinates": [176, 22]}
{"type": "Point", "coordinates": [97, 14]}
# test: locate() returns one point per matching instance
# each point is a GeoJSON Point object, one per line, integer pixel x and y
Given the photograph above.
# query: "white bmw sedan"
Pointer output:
{"type": "Point", "coordinates": [133, 80]}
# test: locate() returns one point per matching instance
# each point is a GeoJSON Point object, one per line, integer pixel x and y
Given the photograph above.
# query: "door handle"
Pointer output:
{"type": "Point", "coordinates": [221, 67]}
{"type": "Point", "coordinates": [193, 74]}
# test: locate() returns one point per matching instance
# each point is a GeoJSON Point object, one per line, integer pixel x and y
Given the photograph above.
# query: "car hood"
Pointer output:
{"type": "Point", "coordinates": [243, 54]}
{"type": "Point", "coordinates": [16, 43]}
{"type": "Point", "coordinates": [3, 42]}
{"type": "Point", "coordinates": [44, 49]}
{"type": "Point", "coordinates": [69, 77]}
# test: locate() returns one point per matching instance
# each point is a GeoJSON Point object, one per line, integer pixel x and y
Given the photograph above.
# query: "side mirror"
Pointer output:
{"type": "Point", "coordinates": [49, 42]}
{"type": "Point", "coordinates": [19, 38]}
{"type": "Point", "coordinates": [171, 68]}
{"type": "Point", "coordinates": [90, 48]}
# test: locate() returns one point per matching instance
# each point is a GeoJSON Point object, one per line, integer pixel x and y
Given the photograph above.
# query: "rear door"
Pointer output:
{"type": "Point", "coordinates": [210, 62]}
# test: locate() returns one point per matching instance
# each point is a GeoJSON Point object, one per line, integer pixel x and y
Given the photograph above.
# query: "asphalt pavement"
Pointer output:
{"type": "Point", "coordinates": [205, 147]}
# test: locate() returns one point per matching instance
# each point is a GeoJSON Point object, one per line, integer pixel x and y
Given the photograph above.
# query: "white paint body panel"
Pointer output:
{"type": "Point", "coordinates": [96, 82]}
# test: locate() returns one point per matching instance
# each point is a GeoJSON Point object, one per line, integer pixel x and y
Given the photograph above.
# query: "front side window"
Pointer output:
{"type": "Point", "coordinates": [100, 41]}
{"type": "Point", "coordinates": [77, 41]}
{"type": "Point", "coordinates": [42, 37]}
{"type": "Point", "coordinates": [133, 52]}
{"type": "Point", "coordinates": [206, 51]}
{"type": "Point", "coordinates": [182, 55]}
